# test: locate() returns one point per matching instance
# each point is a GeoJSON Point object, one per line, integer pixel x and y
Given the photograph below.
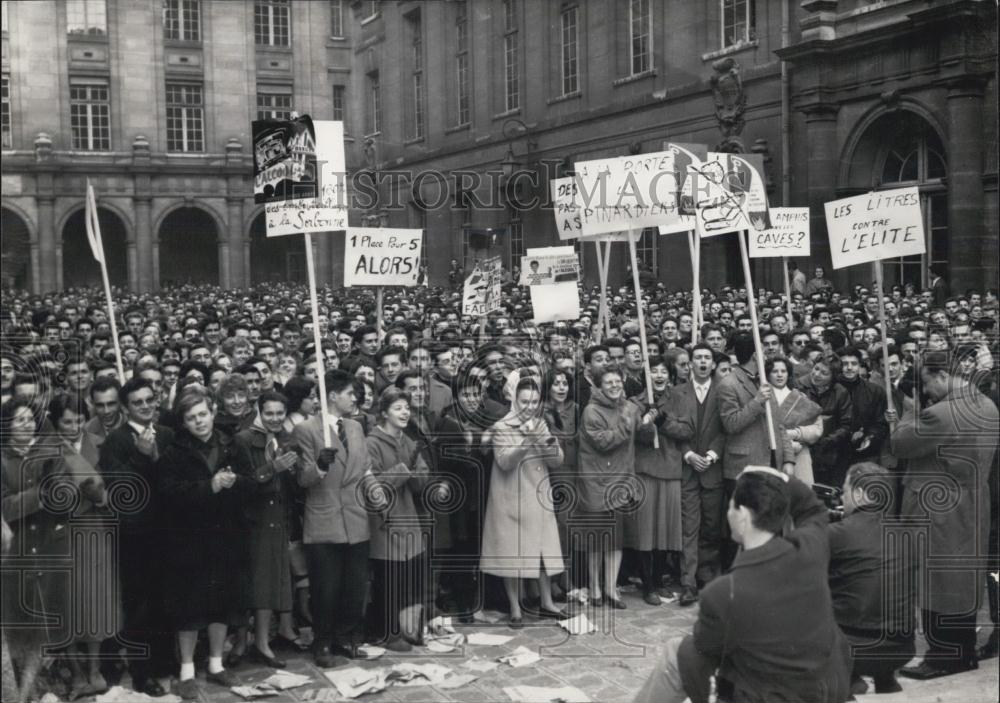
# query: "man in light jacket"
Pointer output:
{"type": "Point", "coordinates": [340, 488]}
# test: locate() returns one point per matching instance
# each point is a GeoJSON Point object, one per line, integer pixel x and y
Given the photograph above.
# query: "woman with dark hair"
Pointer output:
{"type": "Point", "coordinates": [678, 364]}
{"type": "Point", "coordinates": [265, 454]}
{"type": "Point", "coordinates": [205, 546]}
{"type": "Point", "coordinates": [831, 451]}
{"type": "Point", "coordinates": [364, 406]}
{"type": "Point", "coordinates": [34, 485]}
{"type": "Point", "coordinates": [99, 606]}
{"type": "Point", "coordinates": [397, 539]}
{"type": "Point", "coordinates": [562, 415]}
{"type": "Point", "coordinates": [520, 533]}
{"type": "Point", "coordinates": [606, 481]}
{"type": "Point", "coordinates": [461, 434]}
{"type": "Point", "coordinates": [656, 525]}
{"type": "Point", "coordinates": [796, 415]}
{"type": "Point", "coordinates": [302, 402]}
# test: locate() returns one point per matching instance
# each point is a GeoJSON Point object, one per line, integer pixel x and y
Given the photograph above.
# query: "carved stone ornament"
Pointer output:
{"type": "Point", "coordinates": [730, 104]}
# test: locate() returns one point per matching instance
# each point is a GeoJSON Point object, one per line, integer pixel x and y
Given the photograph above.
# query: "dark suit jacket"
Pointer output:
{"type": "Point", "coordinates": [769, 621]}
{"type": "Point", "coordinates": [124, 468]}
{"type": "Point", "coordinates": [745, 424]}
{"type": "Point", "coordinates": [872, 580]}
{"type": "Point", "coordinates": [708, 435]}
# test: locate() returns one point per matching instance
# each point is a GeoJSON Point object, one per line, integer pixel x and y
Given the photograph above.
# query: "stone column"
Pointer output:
{"type": "Point", "coordinates": [965, 184]}
{"type": "Point", "coordinates": [47, 264]}
{"type": "Point", "coordinates": [155, 255]}
{"type": "Point", "coordinates": [822, 150]}
{"type": "Point", "coordinates": [142, 266]}
{"type": "Point", "coordinates": [234, 251]}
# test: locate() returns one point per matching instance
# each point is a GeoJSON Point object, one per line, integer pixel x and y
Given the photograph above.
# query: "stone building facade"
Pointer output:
{"type": "Point", "coordinates": [464, 109]}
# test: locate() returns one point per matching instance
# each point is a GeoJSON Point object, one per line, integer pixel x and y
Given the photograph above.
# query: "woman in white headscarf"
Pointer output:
{"type": "Point", "coordinates": [520, 532]}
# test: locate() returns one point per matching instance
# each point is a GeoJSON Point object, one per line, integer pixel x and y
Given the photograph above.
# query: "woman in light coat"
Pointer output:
{"type": "Point", "coordinates": [520, 533]}
{"type": "Point", "coordinates": [795, 415]}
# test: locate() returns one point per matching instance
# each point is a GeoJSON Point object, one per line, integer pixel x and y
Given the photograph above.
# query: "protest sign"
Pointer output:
{"type": "Point", "coordinates": [296, 157]}
{"type": "Point", "coordinates": [541, 270]}
{"type": "Point", "coordinates": [556, 301]}
{"type": "Point", "coordinates": [626, 192]}
{"type": "Point", "coordinates": [566, 208]}
{"type": "Point", "coordinates": [787, 236]}
{"type": "Point", "coordinates": [874, 226]}
{"type": "Point", "coordinates": [685, 155]}
{"type": "Point", "coordinates": [382, 256]}
{"type": "Point", "coordinates": [481, 294]}
{"type": "Point", "coordinates": [728, 193]}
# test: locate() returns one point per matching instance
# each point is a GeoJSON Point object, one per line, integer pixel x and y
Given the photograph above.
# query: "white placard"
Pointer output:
{"type": "Point", "coordinates": [566, 208]}
{"type": "Point", "coordinates": [626, 192]}
{"type": "Point", "coordinates": [684, 155]}
{"type": "Point", "coordinates": [382, 256]}
{"type": "Point", "coordinates": [328, 212]}
{"type": "Point", "coordinates": [787, 236]}
{"type": "Point", "coordinates": [560, 301]}
{"type": "Point", "coordinates": [880, 225]}
{"type": "Point", "coordinates": [729, 194]}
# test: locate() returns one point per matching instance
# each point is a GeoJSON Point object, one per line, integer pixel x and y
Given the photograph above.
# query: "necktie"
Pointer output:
{"type": "Point", "coordinates": [342, 434]}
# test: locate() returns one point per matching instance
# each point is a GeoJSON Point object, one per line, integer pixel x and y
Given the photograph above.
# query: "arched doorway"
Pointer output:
{"type": "Point", "coordinates": [189, 250]}
{"type": "Point", "coordinates": [275, 258]}
{"type": "Point", "coordinates": [898, 150]}
{"type": "Point", "coordinates": [78, 263]}
{"type": "Point", "coordinates": [15, 270]}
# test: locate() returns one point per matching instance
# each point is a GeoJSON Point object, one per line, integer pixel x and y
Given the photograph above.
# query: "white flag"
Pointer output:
{"type": "Point", "coordinates": [94, 226]}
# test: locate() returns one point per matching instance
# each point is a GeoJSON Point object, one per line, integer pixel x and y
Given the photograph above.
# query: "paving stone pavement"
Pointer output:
{"type": "Point", "coordinates": [609, 666]}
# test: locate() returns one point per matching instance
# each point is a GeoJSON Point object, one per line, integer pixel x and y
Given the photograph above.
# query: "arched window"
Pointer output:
{"type": "Point", "coordinates": [913, 155]}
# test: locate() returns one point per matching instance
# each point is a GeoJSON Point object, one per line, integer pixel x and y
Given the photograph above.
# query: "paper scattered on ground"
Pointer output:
{"type": "Point", "coordinates": [484, 639]}
{"type": "Point", "coordinates": [252, 692]}
{"type": "Point", "coordinates": [672, 598]}
{"type": "Point", "coordinates": [354, 681]}
{"type": "Point", "coordinates": [457, 681]}
{"type": "Point", "coordinates": [417, 674]}
{"type": "Point", "coordinates": [543, 694]}
{"type": "Point", "coordinates": [480, 665]}
{"type": "Point", "coordinates": [120, 694]}
{"type": "Point", "coordinates": [581, 595]}
{"type": "Point", "coordinates": [320, 695]}
{"type": "Point", "coordinates": [578, 625]}
{"type": "Point", "coordinates": [522, 656]}
{"type": "Point", "coordinates": [439, 646]}
{"type": "Point", "coordinates": [284, 680]}
{"type": "Point", "coordinates": [371, 651]}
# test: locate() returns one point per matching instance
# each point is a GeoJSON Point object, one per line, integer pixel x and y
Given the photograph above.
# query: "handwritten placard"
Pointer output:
{"type": "Point", "coordinates": [382, 256]}
{"type": "Point", "coordinates": [880, 225]}
{"type": "Point", "coordinates": [788, 235]}
{"type": "Point", "coordinates": [481, 293]}
{"type": "Point", "coordinates": [566, 208]}
{"type": "Point", "coordinates": [328, 210]}
{"type": "Point", "coordinates": [626, 192]}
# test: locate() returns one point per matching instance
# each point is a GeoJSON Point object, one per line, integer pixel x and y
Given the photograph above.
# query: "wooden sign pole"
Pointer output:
{"type": "Point", "coordinates": [642, 327]}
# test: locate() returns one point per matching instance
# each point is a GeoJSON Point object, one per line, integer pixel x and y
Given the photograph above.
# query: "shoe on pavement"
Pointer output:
{"type": "Point", "coordinates": [187, 689]}
{"type": "Point", "coordinates": [689, 596]}
{"type": "Point", "coordinates": [651, 598]}
{"type": "Point", "coordinates": [395, 644]}
{"type": "Point", "coordinates": [887, 684]}
{"type": "Point", "coordinates": [151, 688]}
{"type": "Point", "coordinates": [927, 671]}
{"type": "Point", "coordinates": [991, 648]}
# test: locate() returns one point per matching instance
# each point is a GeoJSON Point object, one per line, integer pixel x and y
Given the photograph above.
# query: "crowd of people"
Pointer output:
{"type": "Point", "coordinates": [465, 464]}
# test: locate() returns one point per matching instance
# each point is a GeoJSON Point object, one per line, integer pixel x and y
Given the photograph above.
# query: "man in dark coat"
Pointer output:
{"type": "Point", "coordinates": [872, 579]}
{"type": "Point", "coordinates": [701, 474]}
{"type": "Point", "coordinates": [869, 430]}
{"type": "Point", "coordinates": [766, 629]}
{"type": "Point", "coordinates": [127, 464]}
{"type": "Point", "coordinates": [949, 447]}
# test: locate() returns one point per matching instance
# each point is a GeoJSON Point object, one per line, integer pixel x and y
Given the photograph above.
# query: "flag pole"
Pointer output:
{"type": "Point", "coordinates": [752, 305]}
{"type": "Point", "coordinates": [642, 328]}
{"type": "Point", "coordinates": [317, 338]}
{"type": "Point", "coordinates": [97, 248]}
